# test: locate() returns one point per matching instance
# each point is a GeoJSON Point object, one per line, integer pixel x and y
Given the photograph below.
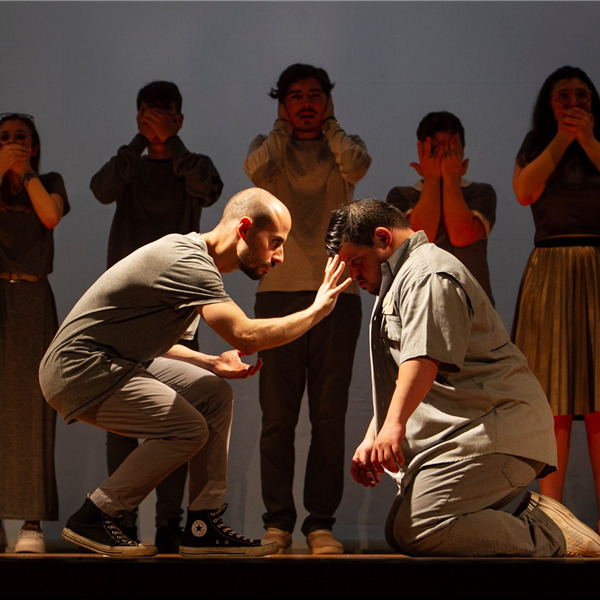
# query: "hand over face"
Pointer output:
{"type": "Point", "coordinates": [328, 109]}
{"type": "Point", "coordinates": [282, 112]}
{"type": "Point", "coordinates": [441, 157]}
{"type": "Point", "coordinates": [16, 147]}
{"type": "Point", "coordinates": [144, 126]}
{"type": "Point", "coordinates": [452, 164]}
{"type": "Point", "coordinates": [575, 123]}
{"type": "Point", "coordinates": [429, 165]}
{"type": "Point", "coordinates": [15, 158]}
{"type": "Point", "coordinates": [158, 123]}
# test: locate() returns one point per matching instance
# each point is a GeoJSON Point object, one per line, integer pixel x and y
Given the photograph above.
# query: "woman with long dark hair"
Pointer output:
{"type": "Point", "coordinates": [31, 205]}
{"type": "Point", "coordinates": [557, 317]}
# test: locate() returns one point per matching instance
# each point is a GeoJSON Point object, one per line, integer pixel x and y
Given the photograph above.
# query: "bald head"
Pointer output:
{"type": "Point", "coordinates": [250, 234]}
{"type": "Point", "coordinates": [257, 204]}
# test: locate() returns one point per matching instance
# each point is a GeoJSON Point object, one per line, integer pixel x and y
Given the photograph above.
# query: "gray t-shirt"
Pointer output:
{"type": "Point", "coordinates": [481, 200]}
{"type": "Point", "coordinates": [485, 399]}
{"type": "Point", "coordinates": [134, 313]}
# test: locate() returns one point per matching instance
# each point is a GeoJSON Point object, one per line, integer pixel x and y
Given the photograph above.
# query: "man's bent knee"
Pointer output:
{"type": "Point", "coordinates": [192, 437]}
{"type": "Point", "coordinates": [419, 542]}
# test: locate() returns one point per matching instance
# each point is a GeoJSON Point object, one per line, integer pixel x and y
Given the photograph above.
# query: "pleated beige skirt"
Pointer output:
{"type": "Point", "coordinates": [557, 325]}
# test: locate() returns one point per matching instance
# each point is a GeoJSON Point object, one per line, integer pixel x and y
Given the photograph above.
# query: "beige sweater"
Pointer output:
{"type": "Point", "coordinates": [312, 178]}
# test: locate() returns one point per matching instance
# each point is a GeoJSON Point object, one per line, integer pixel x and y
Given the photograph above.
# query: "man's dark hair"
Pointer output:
{"type": "Point", "coordinates": [356, 223]}
{"type": "Point", "coordinates": [160, 94]}
{"type": "Point", "coordinates": [299, 72]}
{"type": "Point", "coordinates": [444, 121]}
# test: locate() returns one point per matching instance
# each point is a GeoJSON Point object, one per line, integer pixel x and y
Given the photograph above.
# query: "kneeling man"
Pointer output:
{"type": "Point", "coordinates": [459, 419]}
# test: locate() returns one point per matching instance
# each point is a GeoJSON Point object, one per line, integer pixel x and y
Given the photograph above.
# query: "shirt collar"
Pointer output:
{"type": "Point", "coordinates": [390, 268]}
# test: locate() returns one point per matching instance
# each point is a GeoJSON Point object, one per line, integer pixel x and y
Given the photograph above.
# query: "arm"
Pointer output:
{"type": "Point", "coordinates": [248, 335]}
{"type": "Point", "coordinates": [581, 123]}
{"type": "Point", "coordinates": [362, 469]}
{"type": "Point", "coordinates": [202, 180]}
{"type": "Point", "coordinates": [530, 181]}
{"type": "Point", "coordinates": [462, 226]}
{"type": "Point", "coordinates": [266, 151]}
{"type": "Point", "coordinates": [574, 124]}
{"type": "Point", "coordinates": [415, 378]}
{"type": "Point", "coordinates": [48, 207]}
{"type": "Point", "coordinates": [350, 151]}
{"type": "Point", "coordinates": [227, 365]}
{"type": "Point", "coordinates": [108, 183]}
{"type": "Point", "coordinates": [427, 212]}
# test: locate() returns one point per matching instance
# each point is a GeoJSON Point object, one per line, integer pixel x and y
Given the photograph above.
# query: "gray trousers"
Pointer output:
{"type": "Point", "coordinates": [169, 492]}
{"type": "Point", "coordinates": [455, 509]}
{"type": "Point", "coordinates": [183, 413]}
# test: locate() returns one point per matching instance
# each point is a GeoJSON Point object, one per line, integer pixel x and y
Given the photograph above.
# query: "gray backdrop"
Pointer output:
{"type": "Point", "coordinates": [77, 66]}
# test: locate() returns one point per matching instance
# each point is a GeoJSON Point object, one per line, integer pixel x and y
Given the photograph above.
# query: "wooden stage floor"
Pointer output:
{"type": "Point", "coordinates": [302, 576]}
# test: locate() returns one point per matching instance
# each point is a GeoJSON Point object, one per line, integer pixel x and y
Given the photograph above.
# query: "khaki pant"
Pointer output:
{"type": "Point", "coordinates": [183, 414]}
{"type": "Point", "coordinates": [455, 509]}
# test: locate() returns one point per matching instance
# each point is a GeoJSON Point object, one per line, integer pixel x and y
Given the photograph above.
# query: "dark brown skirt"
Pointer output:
{"type": "Point", "coordinates": [557, 325]}
{"type": "Point", "coordinates": [27, 423]}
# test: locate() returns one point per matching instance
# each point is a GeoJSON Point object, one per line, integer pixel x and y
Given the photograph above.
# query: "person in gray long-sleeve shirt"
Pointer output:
{"type": "Point", "coordinates": [157, 192]}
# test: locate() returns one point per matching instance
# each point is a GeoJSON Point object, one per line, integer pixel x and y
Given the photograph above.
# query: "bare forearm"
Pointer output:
{"type": "Point", "coordinates": [252, 335]}
{"type": "Point", "coordinates": [592, 149]}
{"type": "Point", "coordinates": [461, 225]}
{"type": "Point", "coordinates": [229, 321]}
{"type": "Point", "coordinates": [530, 181]}
{"type": "Point", "coordinates": [427, 213]}
{"type": "Point", "coordinates": [415, 378]}
{"type": "Point", "coordinates": [185, 354]}
{"type": "Point", "coordinates": [48, 207]}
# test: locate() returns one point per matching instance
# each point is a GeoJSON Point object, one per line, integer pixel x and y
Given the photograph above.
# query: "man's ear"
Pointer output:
{"type": "Point", "coordinates": [244, 226]}
{"type": "Point", "coordinates": [177, 120]}
{"type": "Point", "coordinates": [382, 237]}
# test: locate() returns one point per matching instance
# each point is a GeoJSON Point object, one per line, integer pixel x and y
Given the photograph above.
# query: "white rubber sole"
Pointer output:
{"type": "Point", "coordinates": [139, 550]}
{"type": "Point", "coordinates": [263, 550]}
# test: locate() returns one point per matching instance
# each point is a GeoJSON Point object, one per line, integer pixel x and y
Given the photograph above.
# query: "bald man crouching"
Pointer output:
{"type": "Point", "coordinates": [115, 364]}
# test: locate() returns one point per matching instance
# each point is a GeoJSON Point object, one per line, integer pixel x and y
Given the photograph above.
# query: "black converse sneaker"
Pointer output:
{"type": "Point", "coordinates": [93, 529]}
{"type": "Point", "coordinates": [205, 534]}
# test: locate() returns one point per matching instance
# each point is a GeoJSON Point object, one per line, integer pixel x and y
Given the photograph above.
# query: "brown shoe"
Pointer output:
{"type": "Point", "coordinates": [581, 540]}
{"type": "Point", "coordinates": [282, 538]}
{"type": "Point", "coordinates": [321, 541]}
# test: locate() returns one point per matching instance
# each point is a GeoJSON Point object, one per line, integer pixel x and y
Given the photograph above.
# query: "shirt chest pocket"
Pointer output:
{"type": "Point", "coordinates": [391, 327]}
